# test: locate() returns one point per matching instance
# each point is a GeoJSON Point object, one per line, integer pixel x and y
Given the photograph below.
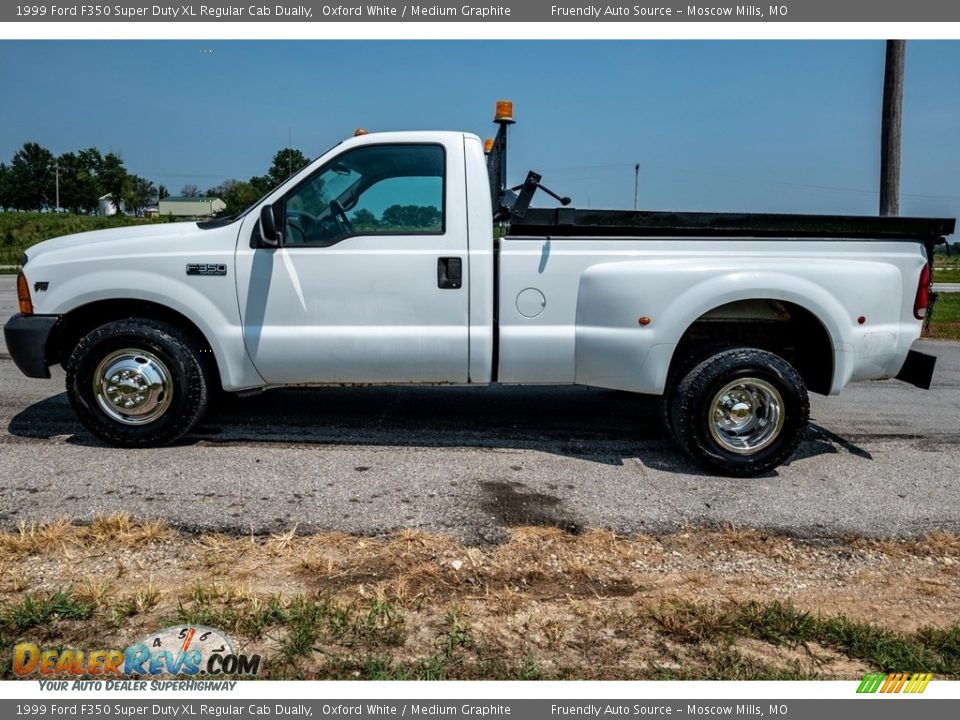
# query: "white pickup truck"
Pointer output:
{"type": "Point", "coordinates": [378, 264]}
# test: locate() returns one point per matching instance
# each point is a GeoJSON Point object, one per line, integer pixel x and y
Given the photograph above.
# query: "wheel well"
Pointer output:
{"type": "Point", "coordinates": [783, 328]}
{"type": "Point", "coordinates": [77, 323]}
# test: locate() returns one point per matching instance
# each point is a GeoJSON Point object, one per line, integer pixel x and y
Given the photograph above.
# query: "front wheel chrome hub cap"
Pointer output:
{"type": "Point", "coordinates": [746, 416]}
{"type": "Point", "coordinates": [133, 386]}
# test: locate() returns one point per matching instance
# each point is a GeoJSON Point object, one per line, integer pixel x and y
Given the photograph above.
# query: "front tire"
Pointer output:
{"type": "Point", "coordinates": [741, 412]}
{"type": "Point", "coordinates": [137, 383]}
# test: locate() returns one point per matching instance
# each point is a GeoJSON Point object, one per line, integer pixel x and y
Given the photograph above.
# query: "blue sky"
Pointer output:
{"type": "Point", "coordinates": [715, 125]}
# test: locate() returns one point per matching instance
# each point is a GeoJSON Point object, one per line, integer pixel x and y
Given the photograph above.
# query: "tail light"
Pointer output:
{"type": "Point", "coordinates": [23, 295]}
{"type": "Point", "coordinates": [923, 294]}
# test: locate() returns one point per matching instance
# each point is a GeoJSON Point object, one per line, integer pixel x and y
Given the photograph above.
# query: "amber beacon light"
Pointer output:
{"type": "Point", "coordinates": [504, 112]}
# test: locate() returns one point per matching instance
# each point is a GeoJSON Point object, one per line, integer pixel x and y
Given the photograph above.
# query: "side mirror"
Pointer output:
{"type": "Point", "coordinates": [268, 227]}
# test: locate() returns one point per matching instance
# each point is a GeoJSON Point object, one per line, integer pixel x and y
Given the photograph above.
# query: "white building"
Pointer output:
{"type": "Point", "coordinates": [191, 206]}
{"type": "Point", "coordinates": [106, 206]}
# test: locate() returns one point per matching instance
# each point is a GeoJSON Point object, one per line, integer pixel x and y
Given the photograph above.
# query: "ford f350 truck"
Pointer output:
{"type": "Point", "coordinates": [378, 264]}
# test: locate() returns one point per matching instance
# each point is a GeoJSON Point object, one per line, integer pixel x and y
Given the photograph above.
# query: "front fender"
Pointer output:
{"type": "Point", "coordinates": [215, 314]}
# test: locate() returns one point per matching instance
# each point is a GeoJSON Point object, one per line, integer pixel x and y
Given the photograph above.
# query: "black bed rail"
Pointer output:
{"type": "Point", "coordinates": [571, 222]}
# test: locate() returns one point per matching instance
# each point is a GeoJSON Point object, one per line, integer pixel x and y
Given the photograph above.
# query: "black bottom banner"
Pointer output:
{"type": "Point", "coordinates": [872, 708]}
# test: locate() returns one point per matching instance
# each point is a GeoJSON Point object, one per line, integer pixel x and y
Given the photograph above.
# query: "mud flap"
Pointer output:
{"type": "Point", "coordinates": [918, 369]}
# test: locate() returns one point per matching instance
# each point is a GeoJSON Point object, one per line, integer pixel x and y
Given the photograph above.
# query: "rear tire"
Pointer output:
{"type": "Point", "coordinates": [137, 383]}
{"type": "Point", "coordinates": [741, 412]}
{"type": "Point", "coordinates": [678, 372]}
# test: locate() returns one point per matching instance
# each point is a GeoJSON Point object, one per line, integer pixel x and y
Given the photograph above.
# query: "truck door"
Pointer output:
{"type": "Point", "coordinates": [370, 283]}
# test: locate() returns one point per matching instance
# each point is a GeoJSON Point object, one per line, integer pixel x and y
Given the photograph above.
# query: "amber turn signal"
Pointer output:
{"type": "Point", "coordinates": [488, 146]}
{"type": "Point", "coordinates": [23, 295]}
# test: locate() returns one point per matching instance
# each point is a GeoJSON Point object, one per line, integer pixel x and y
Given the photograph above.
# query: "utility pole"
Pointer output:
{"type": "Point", "coordinates": [891, 128]}
{"type": "Point", "coordinates": [636, 183]}
{"type": "Point", "coordinates": [56, 168]}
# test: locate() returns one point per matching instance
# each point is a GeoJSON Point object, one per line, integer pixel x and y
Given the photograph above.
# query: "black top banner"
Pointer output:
{"type": "Point", "coordinates": [476, 11]}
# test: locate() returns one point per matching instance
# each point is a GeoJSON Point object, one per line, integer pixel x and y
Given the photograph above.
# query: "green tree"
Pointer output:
{"type": "Point", "coordinates": [4, 186]}
{"type": "Point", "coordinates": [78, 180]}
{"type": "Point", "coordinates": [237, 194]}
{"type": "Point", "coordinates": [113, 179]}
{"type": "Point", "coordinates": [162, 192]}
{"type": "Point", "coordinates": [285, 163]}
{"type": "Point", "coordinates": [30, 179]}
{"type": "Point", "coordinates": [363, 219]}
{"type": "Point", "coordinates": [412, 216]}
{"type": "Point", "coordinates": [139, 194]}
{"type": "Point", "coordinates": [262, 183]}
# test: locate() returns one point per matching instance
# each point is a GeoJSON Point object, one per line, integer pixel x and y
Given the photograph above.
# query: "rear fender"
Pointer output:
{"type": "Point", "coordinates": [615, 349]}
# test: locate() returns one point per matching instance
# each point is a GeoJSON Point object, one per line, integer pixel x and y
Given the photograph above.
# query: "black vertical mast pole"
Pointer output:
{"type": "Point", "coordinates": [891, 128]}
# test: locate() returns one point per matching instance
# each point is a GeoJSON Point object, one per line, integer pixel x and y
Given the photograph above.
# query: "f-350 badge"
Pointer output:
{"type": "Point", "coordinates": [206, 269]}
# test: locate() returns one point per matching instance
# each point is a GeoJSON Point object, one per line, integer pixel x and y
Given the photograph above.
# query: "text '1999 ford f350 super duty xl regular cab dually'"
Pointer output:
{"type": "Point", "coordinates": [378, 264]}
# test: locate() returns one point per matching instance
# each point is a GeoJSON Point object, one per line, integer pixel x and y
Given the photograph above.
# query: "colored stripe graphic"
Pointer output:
{"type": "Point", "coordinates": [888, 683]}
{"type": "Point", "coordinates": [894, 683]}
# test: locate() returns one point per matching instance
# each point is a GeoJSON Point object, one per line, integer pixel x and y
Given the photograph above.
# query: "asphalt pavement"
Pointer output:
{"type": "Point", "coordinates": [882, 459]}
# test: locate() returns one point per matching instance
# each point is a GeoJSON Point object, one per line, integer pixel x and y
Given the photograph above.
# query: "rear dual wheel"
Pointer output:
{"type": "Point", "coordinates": [739, 412]}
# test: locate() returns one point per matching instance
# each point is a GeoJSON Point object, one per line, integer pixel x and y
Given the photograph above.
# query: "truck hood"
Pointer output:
{"type": "Point", "coordinates": [151, 235]}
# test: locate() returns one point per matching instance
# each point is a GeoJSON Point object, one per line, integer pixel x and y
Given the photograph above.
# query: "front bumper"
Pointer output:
{"type": "Point", "coordinates": [26, 337]}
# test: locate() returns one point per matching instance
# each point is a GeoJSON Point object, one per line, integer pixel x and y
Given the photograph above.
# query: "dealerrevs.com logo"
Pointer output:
{"type": "Point", "coordinates": [190, 650]}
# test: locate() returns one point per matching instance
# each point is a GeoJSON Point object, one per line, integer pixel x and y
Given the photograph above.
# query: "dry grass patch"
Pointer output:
{"type": "Point", "coordinates": [65, 536]}
{"type": "Point", "coordinates": [692, 604]}
{"type": "Point", "coordinates": [937, 544]}
{"type": "Point", "coordinates": [31, 538]}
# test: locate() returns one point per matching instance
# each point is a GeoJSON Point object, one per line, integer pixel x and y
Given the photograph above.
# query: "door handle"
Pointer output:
{"type": "Point", "coordinates": [449, 273]}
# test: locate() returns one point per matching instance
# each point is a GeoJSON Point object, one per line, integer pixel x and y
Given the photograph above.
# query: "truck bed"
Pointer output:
{"type": "Point", "coordinates": [585, 224]}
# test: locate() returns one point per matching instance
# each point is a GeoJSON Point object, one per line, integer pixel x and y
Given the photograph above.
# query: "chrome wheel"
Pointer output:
{"type": "Point", "coordinates": [746, 415]}
{"type": "Point", "coordinates": [133, 386]}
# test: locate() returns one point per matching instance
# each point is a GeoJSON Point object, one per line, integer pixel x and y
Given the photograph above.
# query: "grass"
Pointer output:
{"type": "Point", "coordinates": [946, 275]}
{"type": "Point", "coordinates": [730, 664]}
{"type": "Point", "coordinates": [118, 529]}
{"type": "Point", "coordinates": [776, 623]}
{"type": "Point", "coordinates": [695, 604]}
{"type": "Point", "coordinates": [35, 611]}
{"type": "Point", "coordinates": [947, 308]}
{"type": "Point", "coordinates": [945, 320]}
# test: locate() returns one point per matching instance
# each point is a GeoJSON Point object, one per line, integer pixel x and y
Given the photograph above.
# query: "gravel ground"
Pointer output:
{"type": "Point", "coordinates": [880, 460]}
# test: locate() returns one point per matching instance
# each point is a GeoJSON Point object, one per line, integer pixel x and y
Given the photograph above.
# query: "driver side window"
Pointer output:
{"type": "Point", "coordinates": [373, 190]}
